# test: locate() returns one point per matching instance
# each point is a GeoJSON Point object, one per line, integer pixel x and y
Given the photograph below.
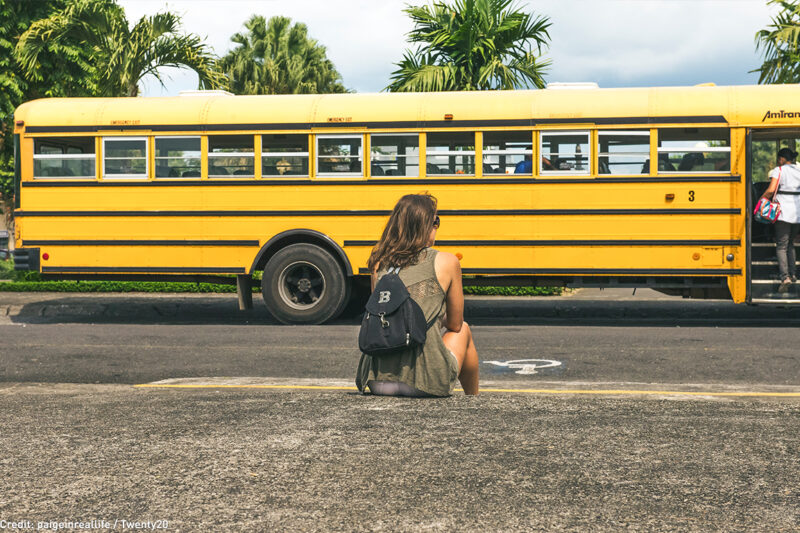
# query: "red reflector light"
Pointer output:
{"type": "Point", "coordinates": [45, 256]}
{"type": "Point", "coordinates": [448, 117]}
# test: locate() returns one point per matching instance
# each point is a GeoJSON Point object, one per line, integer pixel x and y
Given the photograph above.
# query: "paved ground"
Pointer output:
{"type": "Point", "coordinates": [647, 423]}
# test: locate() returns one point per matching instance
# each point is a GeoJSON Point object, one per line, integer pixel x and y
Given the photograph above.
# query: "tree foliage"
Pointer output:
{"type": "Point", "coordinates": [472, 45]}
{"type": "Point", "coordinates": [64, 69]}
{"type": "Point", "coordinates": [276, 57]}
{"type": "Point", "coordinates": [121, 55]}
{"type": "Point", "coordinates": [779, 45]}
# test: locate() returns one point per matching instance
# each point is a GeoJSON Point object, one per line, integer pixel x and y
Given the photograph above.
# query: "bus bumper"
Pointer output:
{"type": "Point", "coordinates": [26, 259]}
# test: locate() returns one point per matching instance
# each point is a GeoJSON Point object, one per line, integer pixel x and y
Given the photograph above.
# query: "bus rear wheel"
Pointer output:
{"type": "Point", "coordinates": [303, 284]}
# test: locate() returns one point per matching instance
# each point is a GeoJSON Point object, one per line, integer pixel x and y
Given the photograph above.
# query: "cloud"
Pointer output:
{"type": "Point", "coordinates": [649, 43]}
{"type": "Point", "coordinates": [614, 42]}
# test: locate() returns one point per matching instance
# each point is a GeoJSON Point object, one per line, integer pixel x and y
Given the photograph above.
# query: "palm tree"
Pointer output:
{"type": "Point", "coordinates": [472, 45]}
{"type": "Point", "coordinates": [274, 57]}
{"type": "Point", "coordinates": [122, 56]}
{"type": "Point", "coordinates": [779, 43]}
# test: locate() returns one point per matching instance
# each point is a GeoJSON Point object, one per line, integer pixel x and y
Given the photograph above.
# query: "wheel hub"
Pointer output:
{"type": "Point", "coordinates": [301, 285]}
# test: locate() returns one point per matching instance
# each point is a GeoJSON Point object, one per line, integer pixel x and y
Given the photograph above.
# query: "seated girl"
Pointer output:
{"type": "Point", "coordinates": [433, 280]}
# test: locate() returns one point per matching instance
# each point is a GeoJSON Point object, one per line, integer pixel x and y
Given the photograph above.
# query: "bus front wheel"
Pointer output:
{"type": "Point", "coordinates": [303, 284]}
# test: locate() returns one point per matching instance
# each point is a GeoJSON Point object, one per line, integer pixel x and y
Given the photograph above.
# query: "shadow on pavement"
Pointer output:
{"type": "Point", "coordinates": [127, 309]}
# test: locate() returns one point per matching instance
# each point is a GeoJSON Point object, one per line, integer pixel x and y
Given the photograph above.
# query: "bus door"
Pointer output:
{"type": "Point", "coordinates": [762, 272]}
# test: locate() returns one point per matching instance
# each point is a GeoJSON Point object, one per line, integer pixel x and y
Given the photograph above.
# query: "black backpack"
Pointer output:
{"type": "Point", "coordinates": [393, 321]}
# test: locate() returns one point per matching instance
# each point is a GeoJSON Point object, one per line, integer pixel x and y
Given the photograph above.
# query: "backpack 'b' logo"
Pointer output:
{"type": "Point", "coordinates": [384, 297]}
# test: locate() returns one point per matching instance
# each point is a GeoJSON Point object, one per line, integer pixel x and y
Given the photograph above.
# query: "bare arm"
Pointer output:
{"type": "Point", "coordinates": [448, 272]}
{"type": "Point", "coordinates": [373, 278]}
{"type": "Point", "coordinates": [773, 186]}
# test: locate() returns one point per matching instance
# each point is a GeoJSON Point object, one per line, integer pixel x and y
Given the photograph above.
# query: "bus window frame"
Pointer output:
{"type": "Point", "coordinates": [531, 152]}
{"type": "Point", "coordinates": [404, 133]}
{"type": "Point", "coordinates": [63, 156]}
{"type": "Point", "coordinates": [210, 156]}
{"type": "Point", "coordinates": [723, 149]}
{"type": "Point", "coordinates": [453, 153]}
{"type": "Point", "coordinates": [641, 132]}
{"type": "Point", "coordinates": [156, 157]}
{"type": "Point", "coordinates": [260, 154]}
{"type": "Point", "coordinates": [138, 177]}
{"type": "Point", "coordinates": [591, 158]}
{"type": "Point", "coordinates": [333, 175]}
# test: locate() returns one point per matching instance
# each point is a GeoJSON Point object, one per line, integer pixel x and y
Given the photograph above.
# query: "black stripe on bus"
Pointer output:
{"type": "Point", "coordinates": [643, 242]}
{"type": "Point", "coordinates": [121, 242]}
{"type": "Point", "coordinates": [359, 213]}
{"type": "Point", "coordinates": [735, 178]}
{"type": "Point", "coordinates": [17, 171]}
{"type": "Point", "coordinates": [155, 270]}
{"type": "Point", "coordinates": [696, 119]}
{"type": "Point", "coordinates": [598, 271]}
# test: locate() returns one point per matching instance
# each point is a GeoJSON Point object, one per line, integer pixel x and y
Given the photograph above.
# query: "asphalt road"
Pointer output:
{"type": "Point", "coordinates": [645, 425]}
{"type": "Point", "coordinates": [135, 339]}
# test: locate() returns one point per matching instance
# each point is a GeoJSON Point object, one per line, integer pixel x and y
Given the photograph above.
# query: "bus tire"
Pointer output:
{"type": "Point", "coordinates": [303, 284]}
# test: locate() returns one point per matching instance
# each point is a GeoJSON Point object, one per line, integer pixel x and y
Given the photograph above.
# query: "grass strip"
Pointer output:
{"type": "Point", "coordinates": [31, 282]}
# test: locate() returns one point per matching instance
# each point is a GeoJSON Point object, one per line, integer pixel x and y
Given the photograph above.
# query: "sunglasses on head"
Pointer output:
{"type": "Point", "coordinates": [436, 222]}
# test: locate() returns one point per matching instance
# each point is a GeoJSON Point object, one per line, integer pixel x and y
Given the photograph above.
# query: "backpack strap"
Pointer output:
{"type": "Point", "coordinates": [430, 324]}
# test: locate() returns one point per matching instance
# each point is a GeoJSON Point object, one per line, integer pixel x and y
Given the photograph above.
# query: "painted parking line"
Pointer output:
{"type": "Point", "coordinates": [596, 392]}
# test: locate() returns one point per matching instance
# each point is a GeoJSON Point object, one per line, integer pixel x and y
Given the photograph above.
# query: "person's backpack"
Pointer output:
{"type": "Point", "coordinates": [393, 321]}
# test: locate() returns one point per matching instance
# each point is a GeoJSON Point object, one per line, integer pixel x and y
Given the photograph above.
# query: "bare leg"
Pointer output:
{"type": "Point", "coordinates": [463, 347]}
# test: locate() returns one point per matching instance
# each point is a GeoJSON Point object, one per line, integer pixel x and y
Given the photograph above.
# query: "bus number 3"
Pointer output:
{"type": "Point", "coordinates": [691, 196]}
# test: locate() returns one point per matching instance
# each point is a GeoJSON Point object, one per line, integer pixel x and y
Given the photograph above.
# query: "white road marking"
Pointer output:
{"type": "Point", "coordinates": [526, 366]}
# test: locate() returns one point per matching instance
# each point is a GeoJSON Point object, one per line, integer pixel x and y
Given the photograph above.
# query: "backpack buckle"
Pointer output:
{"type": "Point", "coordinates": [384, 322]}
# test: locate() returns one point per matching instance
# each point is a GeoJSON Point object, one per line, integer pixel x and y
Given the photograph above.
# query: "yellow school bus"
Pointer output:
{"type": "Point", "coordinates": [568, 186]}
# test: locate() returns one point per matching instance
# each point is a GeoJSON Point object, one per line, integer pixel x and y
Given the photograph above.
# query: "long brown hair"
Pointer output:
{"type": "Point", "coordinates": [406, 234]}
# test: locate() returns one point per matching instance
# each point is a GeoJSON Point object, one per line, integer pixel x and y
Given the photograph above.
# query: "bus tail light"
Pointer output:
{"type": "Point", "coordinates": [45, 256]}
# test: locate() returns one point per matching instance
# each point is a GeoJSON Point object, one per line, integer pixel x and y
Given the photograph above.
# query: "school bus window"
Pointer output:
{"type": "Point", "coordinates": [451, 153]}
{"type": "Point", "coordinates": [284, 155]}
{"type": "Point", "coordinates": [394, 154]}
{"type": "Point", "coordinates": [623, 152]}
{"type": "Point", "coordinates": [339, 155]}
{"type": "Point", "coordinates": [231, 155]}
{"type": "Point", "coordinates": [64, 157]}
{"type": "Point", "coordinates": [507, 152]}
{"type": "Point", "coordinates": [125, 157]}
{"type": "Point", "coordinates": [694, 150]}
{"type": "Point", "coordinates": [177, 157]}
{"type": "Point", "coordinates": [565, 152]}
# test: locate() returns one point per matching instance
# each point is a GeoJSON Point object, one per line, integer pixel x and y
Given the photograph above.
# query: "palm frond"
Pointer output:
{"type": "Point", "coordinates": [779, 45]}
{"type": "Point", "coordinates": [82, 20]}
{"type": "Point", "coordinates": [280, 58]}
{"type": "Point", "coordinates": [476, 45]}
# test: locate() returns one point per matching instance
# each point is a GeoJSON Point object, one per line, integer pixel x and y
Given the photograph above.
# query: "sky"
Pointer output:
{"type": "Point", "coordinates": [615, 43]}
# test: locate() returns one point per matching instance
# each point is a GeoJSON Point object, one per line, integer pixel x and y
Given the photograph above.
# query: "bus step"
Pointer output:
{"type": "Point", "coordinates": [765, 270]}
{"type": "Point", "coordinates": [767, 289]}
{"type": "Point", "coordinates": [765, 252]}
